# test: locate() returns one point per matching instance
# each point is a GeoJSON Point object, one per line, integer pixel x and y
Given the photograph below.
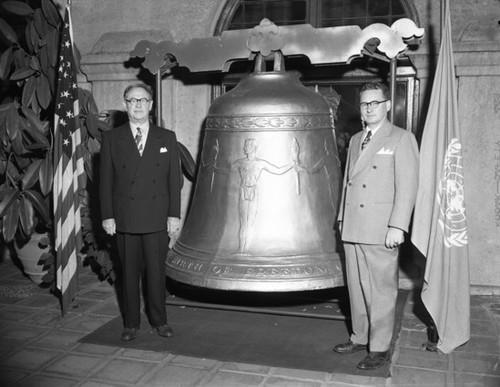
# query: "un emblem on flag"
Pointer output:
{"type": "Point", "coordinates": [451, 196]}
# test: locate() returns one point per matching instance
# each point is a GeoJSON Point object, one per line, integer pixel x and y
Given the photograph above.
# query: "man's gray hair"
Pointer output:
{"type": "Point", "coordinates": [143, 86]}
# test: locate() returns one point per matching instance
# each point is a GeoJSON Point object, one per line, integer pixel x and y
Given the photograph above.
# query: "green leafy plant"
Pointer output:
{"type": "Point", "coordinates": [28, 71]}
{"type": "Point", "coordinates": [97, 246]}
{"type": "Point", "coordinates": [28, 74]}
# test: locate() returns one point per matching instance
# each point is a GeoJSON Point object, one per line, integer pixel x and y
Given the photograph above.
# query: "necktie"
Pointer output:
{"type": "Point", "coordinates": [366, 140]}
{"type": "Point", "coordinates": [138, 141]}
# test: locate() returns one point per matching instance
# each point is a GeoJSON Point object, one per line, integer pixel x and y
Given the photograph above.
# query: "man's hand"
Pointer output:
{"type": "Point", "coordinates": [173, 225]}
{"type": "Point", "coordinates": [394, 237]}
{"type": "Point", "coordinates": [109, 226]}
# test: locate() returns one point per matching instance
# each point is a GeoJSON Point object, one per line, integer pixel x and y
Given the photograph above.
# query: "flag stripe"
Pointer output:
{"type": "Point", "coordinates": [69, 171]}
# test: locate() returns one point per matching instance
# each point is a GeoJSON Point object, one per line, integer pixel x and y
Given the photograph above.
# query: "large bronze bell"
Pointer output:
{"type": "Point", "coordinates": [266, 197]}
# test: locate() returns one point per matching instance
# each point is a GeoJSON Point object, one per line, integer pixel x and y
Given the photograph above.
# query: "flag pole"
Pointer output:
{"type": "Point", "coordinates": [158, 97]}
{"type": "Point", "coordinates": [392, 86]}
{"type": "Point", "coordinates": [432, 332]}
{"type": "Point", "coordinates": [69, 172]}
{"type": "Point", "coordinates": [443, 17]}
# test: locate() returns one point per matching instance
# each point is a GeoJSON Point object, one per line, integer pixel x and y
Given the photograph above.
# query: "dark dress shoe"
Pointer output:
{"type": "Point", "coordinates": [129, 334]}
{"type": "Point", "coordinates": [165, 331]}
{"type": "Point", "coordinates": [349, 347]}
{"type": "Point", "coordinates": [374, 360]}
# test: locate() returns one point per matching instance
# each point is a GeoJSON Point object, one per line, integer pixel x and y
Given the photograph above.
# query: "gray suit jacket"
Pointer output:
{"type": "Point", "coordinates": [380, 185]}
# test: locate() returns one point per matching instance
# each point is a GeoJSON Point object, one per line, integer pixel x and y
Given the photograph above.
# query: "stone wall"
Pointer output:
{"type": "Point", "coordinates": [106, 31]}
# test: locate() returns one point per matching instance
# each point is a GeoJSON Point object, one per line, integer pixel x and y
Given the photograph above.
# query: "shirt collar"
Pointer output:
{"type": "Point", "coordinates": [366, 130]}
{"type": "Point", "coordinates": [144, 129]}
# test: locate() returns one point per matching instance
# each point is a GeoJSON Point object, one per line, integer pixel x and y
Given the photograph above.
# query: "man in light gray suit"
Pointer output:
{"type": "Point", "coordinates": [380, 187]}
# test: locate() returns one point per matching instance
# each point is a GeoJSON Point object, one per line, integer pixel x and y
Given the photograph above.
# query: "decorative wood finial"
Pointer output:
{"type": "Point", "coordinates": [265, 38]}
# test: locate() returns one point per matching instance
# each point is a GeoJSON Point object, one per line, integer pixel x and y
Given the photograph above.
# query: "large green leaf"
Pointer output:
{"type": "Point", "coordinates": [52, 46]}
{"type": "Point", "coordinates": [13, 172]}
{"type": "Point", "coordinates": [93, 145]}
{"type": "Point", "coordinates": [29, 45]}
{"type": "Point", "coordinates": [83, 98]}
{"type": "Point", "coordinates": [5, 63]}
{"type": "Point", "coordinates": [43, 94]}
{"type": "Point", "coordinates": [17, 145]}
{"type": "Point", "coordinates": [7, 31]}
{"type": "Point", "coordinates": [3, 166]}
{"type": "Point", "coordinates": [40, 205]}
{"type": "Point", "coordinates": [44, 60]}
{"type": "Point", "coordinates": [51, 13]}
{"type": "Point", "coordinates": [89, 168]}
{"type": "Point", "coordinates": [47, 260]}
{"type": "Point", "coordinates": [10, 221]}
{"type": "Point", "coordinates": [3, 131]}
{"type": "Point", "coordinates": [77, 56]}
{"type": "Point", "coordinates": [3, 137]}
{"type": "Point", "coordinates": [40, 23]}
{"type": "Point", "coordinates": [26, 215]}
{"type": "Point", "coordinates": [31, 175]}
{"type": "Point", "coordinates": [12, 121]}
{"type": "Point", "coordinates": [18, 8]}
{"type": "Point", "coordinates": [29, 91]}
{"type": "Point", "coordinates": [22, 73]}
{"type": "Point", "coordinates": [33, 119]}
{"type": "Point", "coordinates": [32, 37]}
{"type": "Point", "coordinates": [43, 40]}
{"type": "Point", "coordinates": [46, 175]}
{"type": "Point", "coordinates": [49, 277]}
{"type": "Point", "coordinates": [20, 58]}
{"type": "Point", "coordinates": [4, 107]}
{"type": "Point", "coordinates": [104, 126]}
{"type": "Point", "coordinates": [8, 196]}
{"type": "Point", "coordinates": [34, 63]}
{"type": "Point", "coordinates": [52, 76]}
{"type": "Point", "coordinates": [92, 125]}
{"type": "Point", "coordinates": [35, 106]}
{"type": "Point", "coordinates": [35, 139]}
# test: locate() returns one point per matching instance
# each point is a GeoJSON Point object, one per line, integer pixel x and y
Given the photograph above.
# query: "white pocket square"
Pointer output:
{"type": "Point", "coordinates": [384, 151]}
{"type": "Point", "coordinates": [163, 149]}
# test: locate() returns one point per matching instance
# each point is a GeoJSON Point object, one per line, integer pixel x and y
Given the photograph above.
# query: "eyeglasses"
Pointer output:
{"type": "Point", "coordinates": [372, 104]}
{"type": "Point", "coordinates": [135, 101]}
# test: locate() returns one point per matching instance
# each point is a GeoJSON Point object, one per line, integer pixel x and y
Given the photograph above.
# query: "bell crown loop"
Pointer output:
{"type": "Point", "coordinates": [278, 62]}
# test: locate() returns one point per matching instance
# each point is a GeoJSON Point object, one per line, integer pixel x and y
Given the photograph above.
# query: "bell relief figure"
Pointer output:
{"type": "Point", "coordinates": [250, 169]}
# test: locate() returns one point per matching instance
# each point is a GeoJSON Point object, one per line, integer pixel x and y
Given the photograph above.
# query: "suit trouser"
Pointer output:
{"type": "Point", "coordinates": [372, 280]}
{"type": "Point", "coordinates": [143, 255]}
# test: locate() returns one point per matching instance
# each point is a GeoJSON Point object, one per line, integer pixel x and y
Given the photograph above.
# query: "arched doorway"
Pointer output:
{"type": "Point", "coordinates": [239, 14]}
{"type": "Point", "coordinates": [344, 79]}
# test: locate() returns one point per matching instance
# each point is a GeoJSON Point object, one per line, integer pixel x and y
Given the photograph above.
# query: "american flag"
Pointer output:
{"type": "Point", "coordinates": [69, 171]}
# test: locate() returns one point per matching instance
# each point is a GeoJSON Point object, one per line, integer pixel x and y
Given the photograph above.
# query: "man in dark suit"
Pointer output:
{"type": "Point", "coordinates": [380, 187]}
{"type": "Point", "coordinates": [140, 186]}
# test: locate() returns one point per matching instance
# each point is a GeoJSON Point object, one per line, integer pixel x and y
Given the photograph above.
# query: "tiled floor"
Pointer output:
{"type": "Point", "coordinates": [40, 348]}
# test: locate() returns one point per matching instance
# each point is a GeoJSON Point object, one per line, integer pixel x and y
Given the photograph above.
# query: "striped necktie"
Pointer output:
{"type": "Point", "coordinates": [366, 140]}
{"type": "Point", "coordinates": [138, 141]}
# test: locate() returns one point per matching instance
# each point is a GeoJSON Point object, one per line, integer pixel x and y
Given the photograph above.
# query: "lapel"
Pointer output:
{"type": "Point", "coordinates": [376, 143]}
{"type": "Point", "coordinates": [354, 148]}
{"type": "Point", "coordinates": [131, 153]}
{"type": "Point", "coordinates": [127, 144]}
{"type": "Point", "coordinates": [152, 146]}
